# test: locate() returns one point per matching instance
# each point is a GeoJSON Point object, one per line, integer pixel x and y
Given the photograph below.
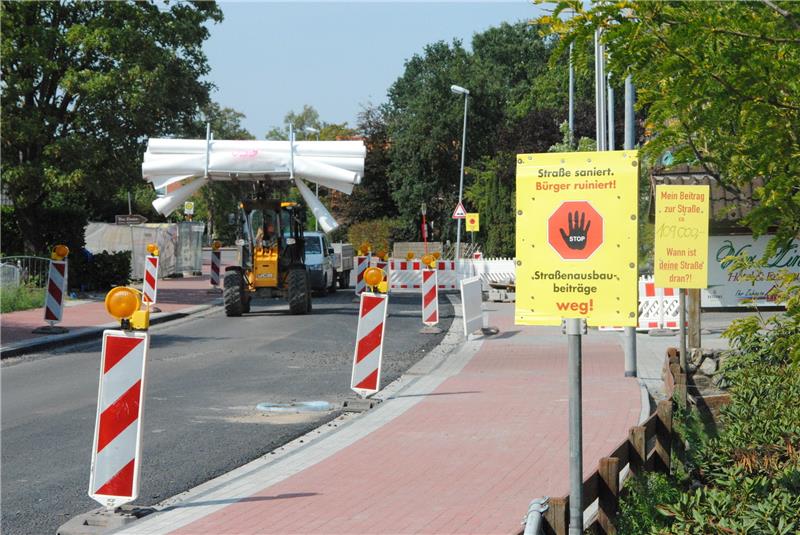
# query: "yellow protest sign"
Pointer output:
{"type": "Point", "coordinates": [681, 249]}
{"type": "Point", "coordinates": [473, 222]}
{"type": "Point", "coordinates": [576, 238]}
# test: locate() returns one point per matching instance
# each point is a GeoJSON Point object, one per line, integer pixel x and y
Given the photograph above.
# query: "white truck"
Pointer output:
{"type": "Point", "coordinates": [343, 254]}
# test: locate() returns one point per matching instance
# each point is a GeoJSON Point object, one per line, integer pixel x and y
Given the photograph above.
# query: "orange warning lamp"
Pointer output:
{"type": "Point", "coordinates": [124, 304]}
{"type": "Point", "coordinates": [428, 260]}
{"type": "Point", "coordinates": [410, 255]}
{"type": "Point", "coordinates": [373, 277]}
{"type": "Point", "coordinates": [437, 255]}
{"type": "Point", "coordinates": [382, 254]}
{"type": "Point", "coordinates": [216, 245]}
{"type": "Point", "coordinates": [60, 252]}
{"type": "Point", "coordinates": [152, 248]}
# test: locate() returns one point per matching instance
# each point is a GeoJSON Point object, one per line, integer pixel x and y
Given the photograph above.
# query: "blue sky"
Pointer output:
{"type": "Point", "coordinates": [269, 58]}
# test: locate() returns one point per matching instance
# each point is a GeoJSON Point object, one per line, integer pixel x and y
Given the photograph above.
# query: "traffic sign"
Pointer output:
{"type": "Point", "coordinates": [575, 230]}
{"type": "Point", "coordinates": [576, 244]}
{"type": "Point", "coordinates": [188, 208]}
{"type": "Point", "coordinates": [473, 222]}
{"type": "Point", "coordinates": [459, 212]}
{"type": "Point", "coordinates": [131, 219]}
{"type": "Point", "coordinates": [681, 247]}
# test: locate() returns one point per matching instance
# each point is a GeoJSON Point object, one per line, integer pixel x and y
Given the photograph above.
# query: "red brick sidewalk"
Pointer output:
{"type": "Point", "coordinates": [467, 458]}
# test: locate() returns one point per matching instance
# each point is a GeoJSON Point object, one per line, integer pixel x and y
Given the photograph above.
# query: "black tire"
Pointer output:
{"type": "Point", "coordinates": [298, 291]}
{"type": "Point", "coordinates": [233, 294]}
{"type": "Point", "coordinates": [344, 280]}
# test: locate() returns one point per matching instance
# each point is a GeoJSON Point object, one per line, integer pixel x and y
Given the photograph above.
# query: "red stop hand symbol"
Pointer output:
{"type": "Point", "coordinates": [578, 231]}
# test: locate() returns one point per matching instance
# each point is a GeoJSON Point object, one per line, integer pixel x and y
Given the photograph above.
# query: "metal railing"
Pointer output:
{"type": "Point", "coordinates": [28, 271]}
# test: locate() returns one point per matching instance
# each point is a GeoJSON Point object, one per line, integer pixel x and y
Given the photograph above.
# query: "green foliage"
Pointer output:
{"type": "Point", "coordinates": [84, 84]}
{"type": "Point", "coordinates": [21, 298]}
{"type": "Point", "coordinates": [372, 199]}
{"type": "Point", "coordinates": [381, 233]}
{"type": "Point", "coordinates": [11, 242]}
{"type": "Point", "coordinates": [638, 511]}
{"type": "Point", "coordinates": [746, 477]}
{"type": "Point", "coordinates": [516, 102]}
{"type": "Point", "coordinates": [720, 82]}
{"type": "Point", "coordinates": [99, 272]}
{"type": "Point", "coordinates": [494, 179]}
{"type": "Point", "coordinates": [56, 225]}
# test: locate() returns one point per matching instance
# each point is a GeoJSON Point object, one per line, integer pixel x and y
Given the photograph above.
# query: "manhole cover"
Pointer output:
{"type": "Point", "coordinates": [295, 407]}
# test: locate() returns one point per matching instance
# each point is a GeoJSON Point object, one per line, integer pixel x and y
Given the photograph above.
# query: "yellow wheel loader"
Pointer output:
{"type": "Point", "coordinates": [272, 256]}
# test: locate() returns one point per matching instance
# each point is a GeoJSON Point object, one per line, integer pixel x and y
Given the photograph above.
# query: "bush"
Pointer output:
{"type": "Point", "coordinates": [99, 272]}
{"type": "Point", "coordinates": [21, 298]}
{"type": "Point", "coordinates": [639, 508]}
{"type": "Point", "coordinates": [746, 478]}
{"type": "Point", "coordinates": [380, 233]}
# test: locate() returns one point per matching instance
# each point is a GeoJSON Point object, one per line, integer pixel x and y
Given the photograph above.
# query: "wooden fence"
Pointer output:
{"type": "Point", "coordinates": [648, 447]}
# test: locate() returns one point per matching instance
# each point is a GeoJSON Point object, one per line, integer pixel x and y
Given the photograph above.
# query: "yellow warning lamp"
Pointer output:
{"type": "Point", "coordinates": [373, 277]}
{"type": "Point", "coordinates": [59, 252]}
{"type": "Point", "coordinates": [429, 260]}
{"type": "Point", "coordinates": [152, 248]}
{"type": "Point", "coordinates": [216, 245]}
{"type": "Point", "coordinates": [410, 255]}
{"type": "Point", "coordinates": [437, 255]}
{"type": "Point", "coordinates": [124, 304]}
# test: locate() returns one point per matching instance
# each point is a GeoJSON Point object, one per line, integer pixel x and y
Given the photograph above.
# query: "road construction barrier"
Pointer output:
{"type": "Point", "coordinates": [56, 288]}
{"type": "Point", "coordinates": [430, 297]}
{"type": "Point", "coordinates": [117, 446]}
{"type": "Point", "coordinates": [404, 275]}
{"type": "Point", "coordinates": [670, 308]}
{"type": "Point", "coordinates": [150, 281]}
{"type": "Point", "coordinates": [659, 308]}
{"type": "Point", "coordinates": [649, 305]}
{"type": "Point", "coordinates": [362, 263]}
{"type": "Point", "coordinates": [498, 270]}
{"type": "Point", "coordinates": [471, 300]}
{"type": "Point", "coordinates": [366, 376]}
{"type": "Point", "coordinates": [216, 261]}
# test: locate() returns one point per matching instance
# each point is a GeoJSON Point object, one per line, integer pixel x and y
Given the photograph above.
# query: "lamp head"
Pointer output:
{"type": "Point", "coordinates": [458, 90]}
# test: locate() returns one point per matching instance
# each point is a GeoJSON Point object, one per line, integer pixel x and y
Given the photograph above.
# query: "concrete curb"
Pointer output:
{"type": "Point", "coordinates": [90, 333]}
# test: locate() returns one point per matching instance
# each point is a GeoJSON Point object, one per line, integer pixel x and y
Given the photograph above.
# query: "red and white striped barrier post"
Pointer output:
{"type": "Point", "coordinates": [117, 445]}
{"type": "Point", "coordinates": [366, 376]}
{"type": "Point", "coordinates": [117, 442]}
{"type": "Point", "coordinates": [216, 262]}
{"type": "Point", "coordinates": [362, 263]}
{"type": "Point", "coordinates": [150, 282]}
{"type": "Point", "coordinates": [430, 297]}
{"type": "Point", "coordinates": [56, 290]}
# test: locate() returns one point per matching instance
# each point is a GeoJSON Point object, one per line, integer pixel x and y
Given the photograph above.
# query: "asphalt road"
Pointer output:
{"type": "Point", "coordinates": [205, 377]}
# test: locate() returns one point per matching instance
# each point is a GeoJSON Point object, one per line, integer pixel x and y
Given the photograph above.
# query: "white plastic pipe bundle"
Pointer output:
{"type": "Point", "coordinates": [337, 165]}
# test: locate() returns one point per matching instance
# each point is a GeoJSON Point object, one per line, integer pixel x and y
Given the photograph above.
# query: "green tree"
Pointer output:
{"type": "Point", "coordinates": [372, 199]}
{"type": "Point", "coordinates": [721, 85]}
{"type": "Point", "coordinates": [84, 85]}
{"type": "Point", "coordinates": [517, 100]}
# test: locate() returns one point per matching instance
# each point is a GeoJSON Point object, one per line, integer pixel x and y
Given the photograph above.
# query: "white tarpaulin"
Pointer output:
{"type": "Point", "coordinates": [337, 165]}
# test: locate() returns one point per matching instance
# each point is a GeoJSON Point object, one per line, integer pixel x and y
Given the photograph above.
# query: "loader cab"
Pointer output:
{"type": "Point", "coordinates": [272, 258]}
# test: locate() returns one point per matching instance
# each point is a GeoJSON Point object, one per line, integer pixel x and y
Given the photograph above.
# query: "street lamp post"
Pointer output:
{"type": "Point", "coordinates": [458, 90]}
{"type": "Point", "coordinates": [312, 130]}
{"type": "Point", "coordinates": [424, 211]}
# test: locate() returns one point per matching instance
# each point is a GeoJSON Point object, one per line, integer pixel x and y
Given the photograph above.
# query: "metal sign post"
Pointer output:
{"type": "Point", "coordinates": [574, 329]}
